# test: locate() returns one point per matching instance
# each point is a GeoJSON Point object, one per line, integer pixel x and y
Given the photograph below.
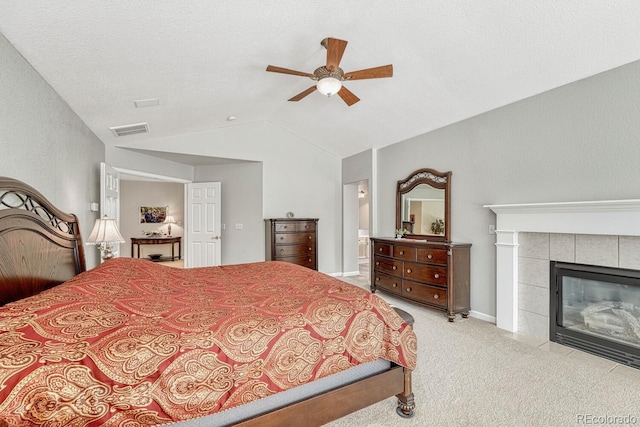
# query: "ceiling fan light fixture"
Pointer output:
{"type": "Point", "coordinates": [329, 86]}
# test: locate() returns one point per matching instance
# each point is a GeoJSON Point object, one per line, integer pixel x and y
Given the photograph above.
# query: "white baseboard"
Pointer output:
{"type": "Point", "coordinates": [351, 273]}
{"type": "Point", "coordinates": [482, 316]}
{"type": "Point", "coordinates": [348, 273]}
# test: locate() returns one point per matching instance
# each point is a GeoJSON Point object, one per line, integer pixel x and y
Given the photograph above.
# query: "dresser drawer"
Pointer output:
{"type": "Point", "coordinates": [390, 283]}
{"type": "Point", "coordinates": [424, 293]}
{"type": "Point", "coordinates": [434, 256]}
{"type": "Point", "coordinates": [404, 252]}
{"type": "Point", "coordinates": [382, 249]}
{"type": "Point", "coordinates": [285, 227]}
{"type": "Point", "coordinates": [425, 273]}
{"type": "Point", "coordinates": [293, 250]}
{"type": "Point", "coordinates": [294, 239]}
{"type": "Point", "coordinates": [388, 265]}
{"type": "Point", "coordinates": [306, 226]}
{"type": "Point", "coordinates": [305, 261]}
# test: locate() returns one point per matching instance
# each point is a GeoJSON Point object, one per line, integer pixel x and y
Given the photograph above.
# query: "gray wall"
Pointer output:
{"type": "Point", "coordinates": [577, 142]}
{"type": "Point", "coordinates": [241, 193]}
{"type": "Point", "coordinates": [45, 144]}
{"type": "Point", "coordinates": [134, 194]}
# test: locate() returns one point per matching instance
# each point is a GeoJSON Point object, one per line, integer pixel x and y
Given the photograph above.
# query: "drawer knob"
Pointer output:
{"type": "Point", "coordinates": [284, 226]}
{"type": "Point", "coordinates": [436, 296]}
{"type": "Point", "coordinates": [377, 279]}
{"type": "Point", "coordinates": [306, 226]}
{"type": "Point", "coordinates": [309, 247]}
{"type": "Point", "coordinates": [437, 276]}
{"type": "Point", "coordinates": [309, 237]}
{"type": "Point", "coordinates": [395, 267]}
{"type": "Point", "coordinates": [401, 252]}
{"type": "Point", "coordinates": [380, 250]}
{"type": "Point", "coordinates": [377, 262]}
{"type": "Point", "coordinates": [409, 270]}
{"type": "Point", "coordinates": [281, 250]}
{"type": "Point", "coordinates": [408, 289]}
{"type": "Point", "coordinates": [395, 285]}
{"type": "Point", "coordinates": [430, 256]}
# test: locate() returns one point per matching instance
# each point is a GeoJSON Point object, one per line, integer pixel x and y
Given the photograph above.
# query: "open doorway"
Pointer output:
{"type": "Point", "coordinates": [356, 226]}
{"type": "Point", "coordinates": [363, 227]}
{"type": "Point", "coordinates": [141, 192]}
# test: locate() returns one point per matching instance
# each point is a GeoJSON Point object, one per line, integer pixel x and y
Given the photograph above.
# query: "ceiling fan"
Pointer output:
{"type": "Point", "coordinates": [330, 77]}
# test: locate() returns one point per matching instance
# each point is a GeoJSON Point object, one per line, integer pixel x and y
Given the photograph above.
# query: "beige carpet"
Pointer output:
{"type": "Point", "coordinates": [471, 373]}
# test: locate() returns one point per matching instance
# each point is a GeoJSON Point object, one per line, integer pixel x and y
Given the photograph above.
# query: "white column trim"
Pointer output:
{"type": "Point", "coordinates": [507, 280]}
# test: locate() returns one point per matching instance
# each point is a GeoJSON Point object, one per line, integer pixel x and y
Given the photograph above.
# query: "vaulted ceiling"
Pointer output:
{"type": "Point", "coordinates": [206, 61]}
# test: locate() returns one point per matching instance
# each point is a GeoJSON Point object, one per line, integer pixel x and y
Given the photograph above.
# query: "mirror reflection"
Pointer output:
{"type": "Point", "coordinates": [423, 210]}
{"type": "Point", "coordinates": [423, 205]}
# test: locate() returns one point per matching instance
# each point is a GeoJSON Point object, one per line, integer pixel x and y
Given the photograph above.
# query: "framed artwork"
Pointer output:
{"type": "Point", "coordinates": [152, 214]}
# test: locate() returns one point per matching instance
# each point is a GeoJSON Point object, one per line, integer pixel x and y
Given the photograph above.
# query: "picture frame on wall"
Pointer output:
{"type": "Point", "coordinates": [152, 214]}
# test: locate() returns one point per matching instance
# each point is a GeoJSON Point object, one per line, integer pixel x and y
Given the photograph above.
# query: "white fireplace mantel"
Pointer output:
{"type": "Point", "coordinates": [608, 217]}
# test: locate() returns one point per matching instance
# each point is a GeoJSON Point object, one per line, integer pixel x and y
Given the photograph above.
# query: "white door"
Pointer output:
{"type": "Point", "coordinates": [203, 225]}
{"type": "Point", "coordinates": [110, 197]}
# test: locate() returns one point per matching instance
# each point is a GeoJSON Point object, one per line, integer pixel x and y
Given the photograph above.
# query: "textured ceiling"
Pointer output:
{"type": "Point", "coordinates": [206, 60]}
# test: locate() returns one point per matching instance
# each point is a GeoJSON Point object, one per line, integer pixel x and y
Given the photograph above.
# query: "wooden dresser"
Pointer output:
{"type": "Point", "coordinates": [433, 274]}
{"type": "Point", "coordinates": [292, 240]}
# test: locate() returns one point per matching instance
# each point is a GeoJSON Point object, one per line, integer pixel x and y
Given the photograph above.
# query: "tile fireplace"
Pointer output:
{"type": "Point", "coordinates": [529, 236]}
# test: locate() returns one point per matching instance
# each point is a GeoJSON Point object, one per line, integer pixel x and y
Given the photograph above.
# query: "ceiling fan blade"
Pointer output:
{"type": "Point", "coordinates": [302, 94]}
{"type": "Point", "coordinates": [335, 49]}
{"type": "Point", "coordinates": [347, 96]}
{"type": "Point", "coordinates": [288, 71]}
{"type": "Point", "coordinates": [370, 73]}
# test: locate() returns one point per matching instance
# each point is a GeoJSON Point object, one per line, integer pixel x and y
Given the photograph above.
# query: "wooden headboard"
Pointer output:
{"type": "Point", "coordinates": [40, 246]}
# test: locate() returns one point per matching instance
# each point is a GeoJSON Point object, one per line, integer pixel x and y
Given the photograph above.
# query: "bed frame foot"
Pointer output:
{"type": "Point", "coordinates": [406, 406]}
{"type": "Point", "coordinates": [406, 402]}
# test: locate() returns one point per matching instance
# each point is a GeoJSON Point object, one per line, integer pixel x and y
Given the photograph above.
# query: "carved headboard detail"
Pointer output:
{"type": "Point", "coordinates": [40, 246]}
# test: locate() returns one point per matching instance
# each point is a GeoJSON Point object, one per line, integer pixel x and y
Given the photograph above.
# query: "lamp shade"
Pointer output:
{"type": "Point", "coordinates": [105, 231]}
{"type": "Point", "coordinates": [169, 220]}
{"type": "Point", "coordinates": [328, 86]}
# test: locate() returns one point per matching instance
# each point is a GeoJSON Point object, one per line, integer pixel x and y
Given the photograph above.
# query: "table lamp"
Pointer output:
{"type": "Point", "coordinates": [169, 220]}
{"type": "Point", "coordinates": [104, 234]}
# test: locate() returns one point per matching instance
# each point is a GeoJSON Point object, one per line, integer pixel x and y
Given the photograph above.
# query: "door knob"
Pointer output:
{"type": "Point", "coordinates": [215, 238]}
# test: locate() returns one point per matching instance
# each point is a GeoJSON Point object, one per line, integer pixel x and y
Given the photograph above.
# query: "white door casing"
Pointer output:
{"type": "Point", "coordinates": [110, 197]}
{"type": "Point", "coordinates": [203, 224]}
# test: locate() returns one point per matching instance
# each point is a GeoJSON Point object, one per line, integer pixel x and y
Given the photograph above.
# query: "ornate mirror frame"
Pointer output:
{"type": "Point", "coordinates": [435, 179]}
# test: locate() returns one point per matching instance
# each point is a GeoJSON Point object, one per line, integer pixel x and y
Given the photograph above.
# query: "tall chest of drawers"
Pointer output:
{"type": "Point", "coordinates": [292, 240]}
{"type": "Point", "coordinates": [433, 274]}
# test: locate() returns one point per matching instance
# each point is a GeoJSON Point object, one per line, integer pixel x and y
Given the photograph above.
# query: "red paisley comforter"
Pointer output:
{"type": "Point", "coordinates": [135, 343]}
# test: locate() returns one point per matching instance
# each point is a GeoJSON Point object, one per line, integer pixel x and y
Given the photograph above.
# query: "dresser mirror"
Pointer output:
{"type": "Point", "coordinates": [423, 205]}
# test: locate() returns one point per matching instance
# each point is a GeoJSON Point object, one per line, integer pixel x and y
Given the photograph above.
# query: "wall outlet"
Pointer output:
{"type": "Point", "coordinates": [492, 229]}
{"type": "Point", "coordinates": [238, 226]}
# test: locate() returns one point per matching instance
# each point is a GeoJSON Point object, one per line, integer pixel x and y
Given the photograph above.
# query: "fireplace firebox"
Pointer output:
{"type": "Point", "coordinates": [597, 310]}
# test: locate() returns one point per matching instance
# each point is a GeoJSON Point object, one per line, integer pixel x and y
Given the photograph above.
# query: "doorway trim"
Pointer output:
{"type": "Point", "coordinates": [151, 175]}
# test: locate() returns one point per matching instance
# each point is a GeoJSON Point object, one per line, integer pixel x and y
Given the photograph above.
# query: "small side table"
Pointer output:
{"type": "Point", "coordinates": [158, 241]}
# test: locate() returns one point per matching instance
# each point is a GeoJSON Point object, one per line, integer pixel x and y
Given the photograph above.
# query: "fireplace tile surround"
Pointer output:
{"type": "Point", "coordinates": [529, 236]}
{"type": "Point", "coordinates": [536, 250]}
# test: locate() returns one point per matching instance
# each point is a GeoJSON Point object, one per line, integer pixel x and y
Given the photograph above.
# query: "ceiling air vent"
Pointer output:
{"type": "Point", "coordinates": [130, 129]}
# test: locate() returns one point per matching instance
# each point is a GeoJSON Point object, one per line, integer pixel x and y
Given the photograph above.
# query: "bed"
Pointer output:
{"type": "Point", "coordinates": [134, 343]}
